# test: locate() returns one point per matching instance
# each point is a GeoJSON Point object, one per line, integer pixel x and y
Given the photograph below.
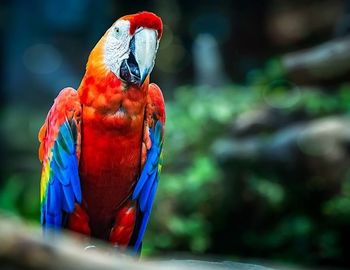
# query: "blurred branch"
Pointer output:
{"type": "Point", "coordinates": [317, 149]}
{"type": "Point", "coordinates": [324, 62]}
{"type": "Point", "coordinates": [22, 247]}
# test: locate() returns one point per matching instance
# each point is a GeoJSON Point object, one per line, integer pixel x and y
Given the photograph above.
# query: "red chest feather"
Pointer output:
{"type": "Point", "coordinates": [109, 167]}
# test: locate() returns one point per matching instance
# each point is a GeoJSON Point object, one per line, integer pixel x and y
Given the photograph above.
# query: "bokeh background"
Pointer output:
{"type": "Point", "coordinates": [257, 150]}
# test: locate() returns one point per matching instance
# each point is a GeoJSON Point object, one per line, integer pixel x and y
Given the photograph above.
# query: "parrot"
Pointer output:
{"type": "Point", "coordinates": [101, 145]}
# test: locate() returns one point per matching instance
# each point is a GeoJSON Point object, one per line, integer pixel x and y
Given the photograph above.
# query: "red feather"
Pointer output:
{"type": "Point", "coordinates": [145, 19]}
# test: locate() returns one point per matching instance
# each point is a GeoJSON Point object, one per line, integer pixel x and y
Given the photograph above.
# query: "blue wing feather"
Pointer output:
{"type": "Point", "coordinates": [146, 186]}
{"type": "Point", "coordinates": [145, 216]}
{"type": "Point", "coordinates": [52, 215]}
{"type": "Point", "coordinates": [146, 191]}
{"type": "Point", "coordinates": [153, 193]}
{"type": "Point", "coordinates": [64, 184]}
{"type": "Point", "coordinates": [158, 132]}
{"type": "Point", "coordinates": [151, 163]}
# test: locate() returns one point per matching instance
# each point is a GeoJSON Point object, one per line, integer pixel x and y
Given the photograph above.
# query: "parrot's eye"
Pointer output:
{"type": "Point", "coordinates": [117, 30]}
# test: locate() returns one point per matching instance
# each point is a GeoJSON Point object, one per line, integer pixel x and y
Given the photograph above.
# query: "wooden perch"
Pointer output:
{"type": "Point", "coordinates": [324, 62]}
{"type": "Point", "coordinates": [22, 247]}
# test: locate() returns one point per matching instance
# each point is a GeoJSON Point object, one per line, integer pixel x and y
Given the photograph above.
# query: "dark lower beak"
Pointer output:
{"type": "Point", "coordinates": [129, 70]}
{"type": "Point", "coordinates": [143, 48]}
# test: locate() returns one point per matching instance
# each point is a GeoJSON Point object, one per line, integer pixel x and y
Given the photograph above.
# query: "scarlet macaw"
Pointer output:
{"type": "Point", "coordinates": [100, 146]}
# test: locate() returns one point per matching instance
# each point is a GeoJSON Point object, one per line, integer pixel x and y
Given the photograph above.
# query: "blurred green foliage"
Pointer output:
{"type": "Point", "coordinates": [196, 199]}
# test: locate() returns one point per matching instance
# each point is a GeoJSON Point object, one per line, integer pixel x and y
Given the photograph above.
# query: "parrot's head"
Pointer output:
{"type": "Point", "coordinates": [130, 46]}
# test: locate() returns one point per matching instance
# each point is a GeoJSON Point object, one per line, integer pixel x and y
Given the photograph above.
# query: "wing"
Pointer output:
{"type": "Point", "coordinates": [146, 186]}
{"type": "Point", "coordinates": [59, 153]}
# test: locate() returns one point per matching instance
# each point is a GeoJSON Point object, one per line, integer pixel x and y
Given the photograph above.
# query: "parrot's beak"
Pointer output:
{"type": "Point", "coordinates": [146, 46]}
{"type": "Point", "coordinates": [143, 49]}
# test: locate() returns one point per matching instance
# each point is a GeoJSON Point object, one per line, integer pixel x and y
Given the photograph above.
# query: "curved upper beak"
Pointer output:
{"type": "Point", "coordinates": [143, 48]}
{"type": "Point", "coordinates": [146, 45]}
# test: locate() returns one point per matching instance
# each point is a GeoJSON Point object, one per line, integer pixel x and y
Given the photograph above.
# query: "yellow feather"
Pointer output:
{"type": "Point", "coordinates": [45, 177]}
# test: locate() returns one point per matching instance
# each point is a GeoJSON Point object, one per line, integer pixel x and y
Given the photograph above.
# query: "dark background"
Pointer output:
{"type": "Point", "coordinates": [256, 158]}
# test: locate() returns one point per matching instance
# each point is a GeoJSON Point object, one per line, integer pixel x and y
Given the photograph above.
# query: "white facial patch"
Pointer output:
{"type": "Point", "coordinates": [117, 45]}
